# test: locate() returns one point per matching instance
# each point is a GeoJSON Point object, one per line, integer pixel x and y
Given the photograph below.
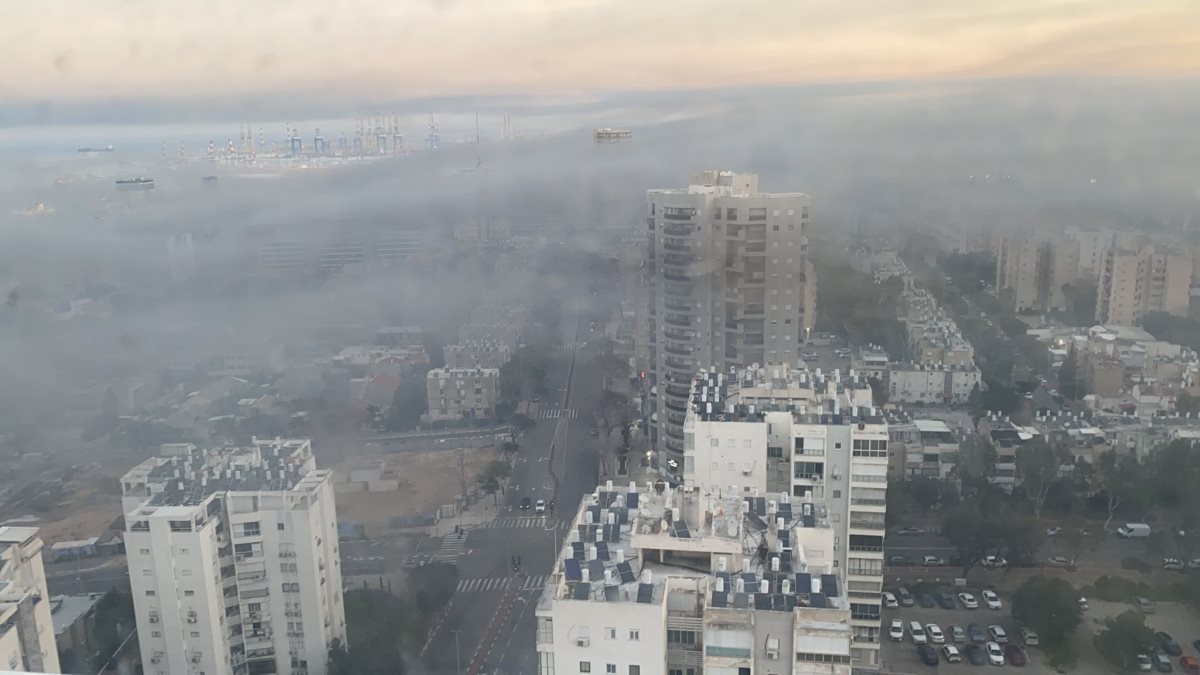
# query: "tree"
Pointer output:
{"type": "Point", "coordinates": [1186, 404]}
{"type": "Point", "coordinates": [1049, 606]}
{"type": "Point", "coordinates": [1121, 479]}
{"type": "Point", "coordinates": [611, 408]}
{"type": "Point", "coordinates": [518, 424]}
{"type": "Point", "coordinates": [879, 393]}
{"type": "Point", "coordinates": [492, 477]}
{"type": "Point", "coordinates": [1037, 469]}
{"type": "Point", "coordinates": [966, 530]}
{"type": "Point", "coordinates": [1069, 384]}
{"type": "Point", "coordinates": [1125, 637]}
{"type": "Point", "coordinates": [408, 404]}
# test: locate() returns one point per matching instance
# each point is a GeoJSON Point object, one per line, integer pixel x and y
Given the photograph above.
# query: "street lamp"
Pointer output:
{"type": "Point", "coordinates": [457, 658]}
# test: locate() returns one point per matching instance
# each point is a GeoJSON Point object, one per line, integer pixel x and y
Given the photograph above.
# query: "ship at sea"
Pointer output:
{"type": "Point", "coordinates": [137, 184]}
{"type": "Point", "coordinates": [107, 148]}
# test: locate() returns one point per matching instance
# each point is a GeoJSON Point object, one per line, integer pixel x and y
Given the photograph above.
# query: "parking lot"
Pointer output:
{"type": "Point", "coordinates": [901, 657]}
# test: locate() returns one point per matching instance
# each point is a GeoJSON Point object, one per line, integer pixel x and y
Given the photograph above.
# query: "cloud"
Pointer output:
{"type": "Point", "coordinates": [374, 50]}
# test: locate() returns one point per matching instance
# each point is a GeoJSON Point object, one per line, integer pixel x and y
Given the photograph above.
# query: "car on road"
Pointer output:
{"type": "Point", "coordinates": [991, 599]}
{"type": "Point", "coordinates": [945, 600]}
{"type": "Point", "coordinates": [1016, 655]}
{"type": "Point", "coordinates": [951, 654]}
{"type": "Point", "coordinates": [904, 596]}
{"type": "Point", "coordinates": [958, 634]}
{"type": "Point", "coordinates": [908, 530]}
{"type": "Point", "coordinates": [1162, 663]}
{"type": "Point", "coordinates": [672, 463]}
{"type": "Point", "coordinates": [926, 600]}
{"type": "Point", "coordinates": [810, 356]}
{"type": "Point", "coordinates": [1172, 564]}
{"type": "Point", "coordinates": [896, 630]}
{"type": "Point", "coordinates": [1142, 663]}
{"type": "Point", "coordinates": [1083, 604]}
{"type": "Point", "coordinates": [889, 600]}
{"type": "Point", "coordinates": [525, 502]}
{"type": "Point", "coordinates": [993, 562]}
{"type": "Point", "coordinates": [933, 561]}
{"type": "Point", "coordinates": [540, 506]}
{"type": "Point", "coordinates": [1060, 561]}
{"type": "Point", "coordinates": [936, 636]}
{"type": "Point", "coordinates": [1029, 637]}
{"type": "Point", "coordinates": [1194, 564]}
{"type": "Point", "coordinates": [1190, 665]}
{"type": "Point", "coordinates": [977, 633]}
{"type": "Point", "coordinates": [995, 654]}
{"type": "Point", "coordinates": [917, 633]}
{"type": "Point", "coordinates": [1144, 605]}
{"type": "Point", "coordinates": [1136, 564]}
{"type": "Point", "coordinates": [967, 600]}
{"type": "Point", "coordinates": [975, 654]}
{"type": "Point", "coordinates": [899, 561]}
{"type": "Point", "coordinates": [928, 655]}
{"type": "Point", "coordinates": [594, 432]}
{"type": "Point", "coordinates": [998, 634]}
{"type": "Point", "coordinates": [1168, 643]}
{"type": "Point", "coordinates": [1053, 531]}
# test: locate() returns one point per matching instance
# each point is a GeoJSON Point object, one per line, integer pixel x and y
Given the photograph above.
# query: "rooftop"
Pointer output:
{"type": "Point", "coordinates": [812, 397]}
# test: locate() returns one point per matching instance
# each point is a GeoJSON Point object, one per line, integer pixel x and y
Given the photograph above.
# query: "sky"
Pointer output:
{"type": "Point", "coordinates": [70, 52]}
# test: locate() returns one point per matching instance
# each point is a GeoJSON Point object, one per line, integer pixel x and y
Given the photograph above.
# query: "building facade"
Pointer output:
{"type": "Point", "coordinates": [477, 354]}
{"type": "Point", "coordinates": [1034, 268]}
{"type": "Point", "coordinates": [934, 384]}
{"type": "Point", "coordinates": [1142, 278]}
{"type": "Point", "coordinates": [461, 393]}
{"type": "Point", "coordinates": [26, 629]}
{"type": "Point", "coordinates": [233, 559]}
{"type": "Point", "coordinates": [729, 284]}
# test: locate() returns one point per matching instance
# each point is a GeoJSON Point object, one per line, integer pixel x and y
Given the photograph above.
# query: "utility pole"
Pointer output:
{"type": "Point", "coordinates": [462, 477]}
{"type": "Point", "coordinates": [457, 658]}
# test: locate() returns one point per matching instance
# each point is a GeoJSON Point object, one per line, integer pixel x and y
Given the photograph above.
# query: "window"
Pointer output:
{"type": "Point", "coordinates": [188, 594]}
{"type": "Point", "coordinates": [635, 635]}
{"type": "Point", "coordinates": [144, 551]}
{"type": "Point", "coordinates": [195, 633]}
{"type": "Point", "coordinates": [610, 668]}
{"type": "Point", "coordinates": [585, 666]}
{"type": "Point", "coordinates": [635, 670]}
{"type": "Point", "coordinates": [681, 637]}
{"type": "Point", "coordinates": [610, 633]}
{"type": "Point", "coordinates": [251, 529]}
{"type": "Point", "coordinates": [156, 633]}
{"type": "Point", "coordinates": [150, 594]}
{"type": "Point", "coordinates": [279, 526]}
{"type": "Point", "coordinates": [774, 452]}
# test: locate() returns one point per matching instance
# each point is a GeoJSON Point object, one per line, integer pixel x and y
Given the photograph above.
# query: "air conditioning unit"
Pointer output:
{"type": "Point", "coordinates": [155, 659]}
{"type": "Point", "coordinates": [582, 642]}
{"type": "Point", "coordinates": [772, 654]}
{"type": "Point", "coordinates": [196, 658]}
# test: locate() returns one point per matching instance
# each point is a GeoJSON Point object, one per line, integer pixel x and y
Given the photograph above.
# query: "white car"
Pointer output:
{"type": "Point", "coordinates": [1144, 665]}
{"type": "Point", "coordinates": [1029, 637]}
{"type": "Point", "coordinates": [889, 600]}
{"type": "Point", "coordinates": [998, 634]}
{"type": "Point", "coordinates": [995, 654]}
{"type": "Point", "coordinates": [936, 636]}
{"type": "Point", "coordinates": [951, 654]}
{"type": "Point", "coordinates": [540, 506]}
{"type": "Point", "coordinates": [1060, 561]}
{"type": "Point", "coordinates": [967, 600]}
{"type": "Point", "coordinates": [917, 632]}
{"type": "Point", "coordinates": [896, 630]}
{"type": "Point", "coordinates": [993, 561]}
{"type": "Point", "coordinates": [991, 600]}
{"type": "Point", "coordinates": [933, 561]}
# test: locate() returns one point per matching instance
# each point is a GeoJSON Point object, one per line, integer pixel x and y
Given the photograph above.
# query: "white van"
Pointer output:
{"type": "Point", "coordinates": [917, 631]}
{"type": "Point", "coordinates": [1134, 530]}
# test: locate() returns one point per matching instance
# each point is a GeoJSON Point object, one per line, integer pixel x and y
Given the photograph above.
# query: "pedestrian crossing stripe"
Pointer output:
{"type": "Point", "coordinates": [557, 413]}
{"type": "Point", "coordinates": [452, 546]}
{"type": "Point", "coordinates": [485, 584]}
{"type": "Point", "coordinates": [510, 523]}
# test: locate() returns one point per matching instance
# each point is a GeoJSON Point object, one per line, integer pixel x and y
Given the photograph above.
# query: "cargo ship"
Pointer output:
{"type": "Point", "coordinates": [138, 184]}
{"type": "Point", "coordinates": [107, 148]}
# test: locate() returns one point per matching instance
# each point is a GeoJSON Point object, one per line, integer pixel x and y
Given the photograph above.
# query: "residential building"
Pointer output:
{"type": "Point", "coordinates": [934, 384]}
{"type": "Point", "coordinates": [477, 354]}
{"type": "Point", "coordinates": [1034, 268]}
{"type": "Point", "coordinates": [26, 629]}
{"type": "Point", "coordinates": [654, 579]}
{"type": "Point", "coordinates": [74, 618]}
{"type": "Point", "coordinates": [729, 284]}
{"type": "Point", "coordinates": [763, 433]}
{"type": "Point", "coordinates": [461, 393]}
{"type": "Point", "coordinates": [921, 448]}
{"type": "Point", "coordinates": [233, 559]}
{"type": "Point", "coordinates": [933, 336]}
{"type": "Point", "coordinates": [1141, 278]}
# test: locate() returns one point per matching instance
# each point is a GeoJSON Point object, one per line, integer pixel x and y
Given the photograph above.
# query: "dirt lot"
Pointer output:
{"type": "Point", "coordinates": [66, 504]}
{"type": "Point", "coordinates": [427, 480]}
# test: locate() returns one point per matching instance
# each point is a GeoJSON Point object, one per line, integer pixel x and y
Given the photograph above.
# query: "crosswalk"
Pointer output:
{"type": "Point", "coordinates": [484, 584]}
{"type": "Point", "coordinates": [510, 523]}
{"type": "Point", "coordinates": [452, 546]}
{"type": "Point", "coordinates": [572, 346]}
{"type": "Point", "coordinates": [556, 413]}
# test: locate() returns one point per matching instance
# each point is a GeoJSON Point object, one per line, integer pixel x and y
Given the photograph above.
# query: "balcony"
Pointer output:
{"type": "Point", "coordinates": [859, 548]}
{"type": "Point", "coordinates": [859, 524]}
{"type": "Point", "coordinates": [678, 248]}
{"type": "Point", "coordinates": [677, 351]}
{"type": "Point", "coordinates": [676, 277]}
{"type": "Point", "coordinates": [678, 322]}
{"type": "Point", "coordinates": [675, 230]}
{"type": "Point", "coordinates": [754, 247]}
{"type": "Point", "coordinates": [727, 652]}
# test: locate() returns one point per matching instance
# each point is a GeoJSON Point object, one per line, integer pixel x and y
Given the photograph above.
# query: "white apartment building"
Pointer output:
{"type": "Point", "coordinates": [233, 559]}
{"type": "Point", "coordinates": [26, 630]}
{"type": "Point", "coordinates": [833, 447]}
{"type": "Point", "coordinates": [477, 354]}
{"type": "Point", "coordinates": [729, 284]}
{"type": "Point", "coordinates": [461, 393]}
{"type": "Point", "coordinates": [1034, 266]}
{"type": "Point", "coordinates": [1142, 278]}
{"type": "Point", "coordinates": [921, 448]}
{"type": "Point", "coordinates": [936, 384]}
{"type": "Point", "coordinates": [685, 581]}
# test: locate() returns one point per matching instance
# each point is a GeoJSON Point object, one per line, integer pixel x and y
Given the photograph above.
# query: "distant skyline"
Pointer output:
{"type": "Point", "coordinates": [69, 52]}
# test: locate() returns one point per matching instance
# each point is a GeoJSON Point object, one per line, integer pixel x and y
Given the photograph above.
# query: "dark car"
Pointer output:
{"type": "Point", "coordinates": [1168, 644]}
{"type": "Point", "coordinates": [1015, 655]}
{"type": "Point", "coordinates": [525, 504]}
{"type": "Point", "coordinates": [945, 599]}
{"type": "Point", "coordinates": [975, 654]}
{"type": "Point", "coordinates": [1162, 663]}
{"type": "Point", "coordinates": [977, 634]}
{"type": "Point", "coordinates": [904, 596]}
{"type": "Point", "coordinates": [928, 655]}
{"type": "Point", "coordinates": [926, 600]}
{"type": "Point", "coordinates": [899, 561]}
{"type": "Point", "coordinates": [1136, 564]}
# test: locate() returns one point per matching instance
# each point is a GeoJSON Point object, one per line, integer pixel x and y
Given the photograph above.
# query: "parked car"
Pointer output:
{"type": "Point", "coordinates": [1052, 531]}
{"type": "Point", "coordinates": [896, 630]}
{"type": "Point", "coordinates": [977, 633]}
{"type": "Point", "coordinates": [899, 561]}
{"type": "Point", "coordinates": [1190, 665]}
{"type": "Point", "coordinates": [1196, 645]}
{"type": "Point", "coordinates": [1060, 561]}
{"type": "Point", "coordinates": [1083, 604]}
{"type": "Point", "coordinates": [975, 654]}
{"type": "Point", "coordinates": [1016, 655]}
{"type": "Point", "coordinates": [1144, 605]}
{"type": "Point", "coordinates": [1162, 663]}
{"type": "Point", "coordinates": [1142, 663]}
{"type": "Point", "coordinates": [945, 599]}
{"type": "Point", "coordinates": [908, 530]}
{"type": "Point", "coordinates": [958, 633]}
{"type": "Point", "coordinates": [1134, 530]}
{"type": "Point", "coordinates": [1168, 643]}
{"type": "Point", "coordinates": [951, 654]}
{"type": "Point", "coordinates": [936, 636]}
{"type": "Point", "coordinates": [525, 503]}
{"type": "Point", "coordinates": [967, 600]}
{"type": "Point", "coordinates": [904, 596]}
{"type": "Point", "coordinates": [1136, 564]}
{"type": "Point", "coordinates": [1029, 637]}
{"type": "Point", "coordinates": [810, 356]}
{"type": "Point", "coordinates": [926, 600]}
{"type": "Point", "coordinates": [993, 562]}
{"type": "Point", "coordinates": [928, 655]}
{"type": "Point", "coordinates": [991, 599]}
{"type": "Point", "coordinates": [1194, 564]}
{"type": "Point", "coordinates": [932, 561]}
{"type": "Point", "coordinates": [998, 634]}
{"type": "Point", "coordinates": [889, 600]}
{"type": "Point", "coordinates": [1172, 564]}
{"type": "Point", "coordinates": [995, 654]}
{"type": "Point", "coordinates": [917, 632]}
